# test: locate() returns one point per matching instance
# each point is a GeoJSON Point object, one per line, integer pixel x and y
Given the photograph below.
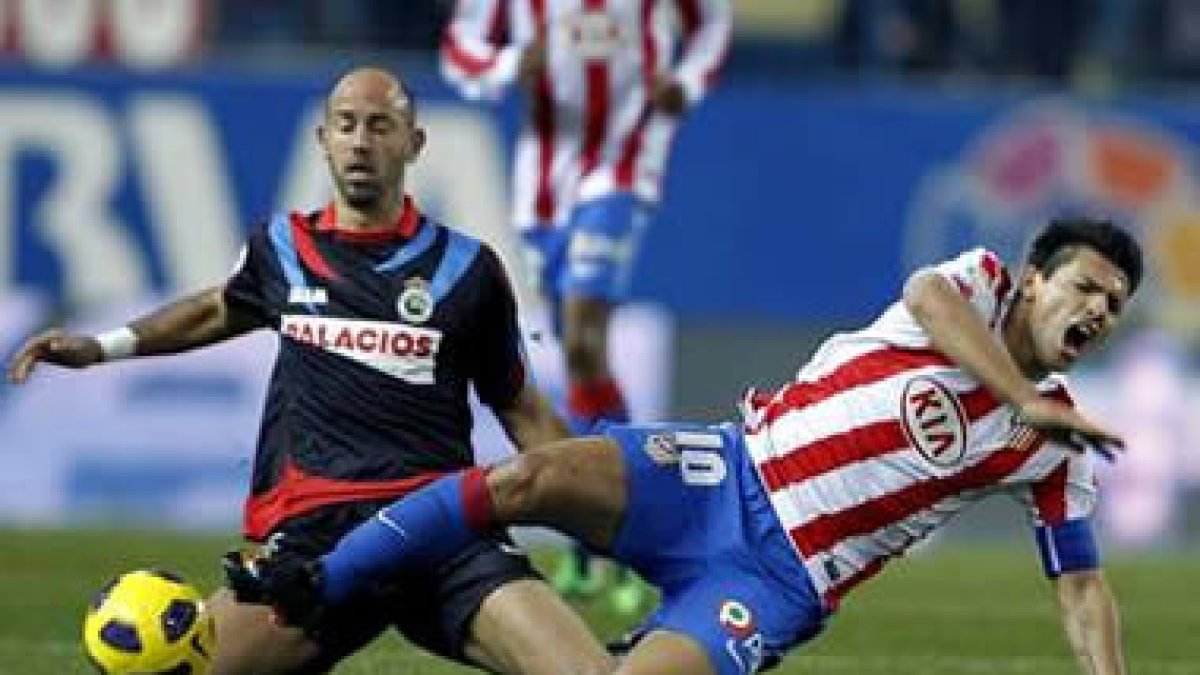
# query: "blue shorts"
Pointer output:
{"type": "Point", "coordinates": [700, 527]}
{"type": "Point", "coordinates": [592, 255]}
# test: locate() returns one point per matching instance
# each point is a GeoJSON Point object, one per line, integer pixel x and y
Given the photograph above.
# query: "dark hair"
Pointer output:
{"type": "Point", "coordinates": [1057, 242]}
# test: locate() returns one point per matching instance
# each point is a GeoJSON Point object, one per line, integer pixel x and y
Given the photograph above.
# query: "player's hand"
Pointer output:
{"type": "Point", "coordinates": [56, 347]}
{"type": "Point", "coordinates": [669, 97]}
{"type": "Point", "coordinates": [1064, 424]}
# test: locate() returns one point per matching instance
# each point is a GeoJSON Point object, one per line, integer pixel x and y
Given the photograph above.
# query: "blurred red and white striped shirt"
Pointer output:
{"type": "Point", "coordinates": [881, 439]}
{"type": "Point", "coordinates": [598, 133]}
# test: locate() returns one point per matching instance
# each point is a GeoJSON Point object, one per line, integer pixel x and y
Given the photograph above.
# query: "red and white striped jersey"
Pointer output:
{"type": "Point", "coordinates": [595, 132]}
{"type": "Point", "coordinates": [881, 439]}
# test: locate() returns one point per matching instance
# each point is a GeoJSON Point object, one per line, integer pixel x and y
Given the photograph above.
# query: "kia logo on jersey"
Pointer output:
{"type": "Point", "coordinates": [408, 353]}
{"type": "Point", "coordinates": [934, 421]}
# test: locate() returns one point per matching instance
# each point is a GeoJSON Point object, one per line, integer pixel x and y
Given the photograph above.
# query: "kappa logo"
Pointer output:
{"type": "Point", "coordinates": [415, 304]}
{"type": "Point", "coordinates": [305, 295]}
{"type": "Point", "coordinates": [934, 421]}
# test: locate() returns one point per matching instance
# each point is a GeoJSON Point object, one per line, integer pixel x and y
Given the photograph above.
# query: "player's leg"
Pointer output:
{"type": "Point", "coordinates": [252, 639]}
{"type": "Point", "coordinates": [603, 238]}
{"type": "Point", "coordinates": [249, 641]}
{"type": "Point", "coordinates": [667, 653]}
{"type": "Point", "coordinates": [524, 627]}
{"type": "Point", "coordinates": [487, 606]}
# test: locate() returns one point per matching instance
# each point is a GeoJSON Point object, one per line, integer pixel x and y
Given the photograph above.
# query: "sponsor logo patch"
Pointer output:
{"type": "Point", "coordinates": [934, 421]}
{"type": "Point", "coordinates": [405, 352]}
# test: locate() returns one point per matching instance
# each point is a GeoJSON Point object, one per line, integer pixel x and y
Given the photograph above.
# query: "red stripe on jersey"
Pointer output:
{"type": "Point", "coordinates": [299, 492]}
{"type": "Point", "coordinates": [859, 371]}
{"type": "Point", "coordinates": [498, 27]}
{"type": "Point", "coordinates": [595, 124]}
{"type": "Point", "coordinates": [543, 107]}
{"type": "Point", "coordinates": [1050, 496]}
{"type": "Point", "coordinates": [629, 153]}
{"type": "Point", "coordinates": [856, 445]}
{"type": "Point", "coordinates": [623, 173]}
{"type": "Point", "coordinates": [824, 531]}
{"type": "Point", "coordinates": [649, 48]}
{"type": "Point", "coordinates": [472, 65]}
{"type": "Point", "coordinates": [991, 266]}
{"type": "Point", "coordinates": [307, 248]}
{"type": "Point", "coordinates": [689, 18]}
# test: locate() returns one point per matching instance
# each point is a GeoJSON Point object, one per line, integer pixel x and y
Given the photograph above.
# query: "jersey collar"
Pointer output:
{"type": "Point", "coordinates": [405, 227]}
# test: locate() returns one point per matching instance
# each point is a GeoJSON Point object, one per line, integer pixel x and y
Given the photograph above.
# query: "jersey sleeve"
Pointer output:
{"type": "Point", "coordinates": [246, 287]}
{"type": "Point", "coordinates": [706, 27]}
{"type": "Point", "coordinates": [981, 278]}
{"type": "Point", "coordinates": [477, 57]}
{"type": "Point", "coordinates": [501, 366]}
{"type": "Point", "coordinates": [977, 274]}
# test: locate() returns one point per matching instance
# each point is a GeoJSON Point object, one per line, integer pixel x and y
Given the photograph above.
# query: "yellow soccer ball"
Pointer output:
{"type": "Point", "coordinates": [149, 622]}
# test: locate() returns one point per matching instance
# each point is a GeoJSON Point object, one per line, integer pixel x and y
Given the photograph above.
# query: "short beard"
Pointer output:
{"type": "Point", "coordinates": [363, 199]}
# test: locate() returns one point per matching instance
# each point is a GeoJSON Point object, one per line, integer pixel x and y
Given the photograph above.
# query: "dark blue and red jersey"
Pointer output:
{"type": "Point", "coordinates": [380, 336]}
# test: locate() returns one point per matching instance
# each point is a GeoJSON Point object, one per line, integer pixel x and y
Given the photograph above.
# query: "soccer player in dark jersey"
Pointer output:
{"type": "Point", "coordinates": [385, 318]}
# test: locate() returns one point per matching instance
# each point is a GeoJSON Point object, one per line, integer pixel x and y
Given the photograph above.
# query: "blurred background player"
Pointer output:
{"type": "Point", "coordinates": [605, 84]}
{"type": "Point", "coordinates": [755, 535]}
{"type": "Point", "coordinates": [385, 318]}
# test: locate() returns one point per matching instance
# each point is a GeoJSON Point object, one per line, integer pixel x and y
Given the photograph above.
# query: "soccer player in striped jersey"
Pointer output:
{"type": "Point", "coordinates": [606, 83]}
{"type": "Point", "coordinates": [385, 318]}
{"type": "Point", "coordinates": [755, 533]}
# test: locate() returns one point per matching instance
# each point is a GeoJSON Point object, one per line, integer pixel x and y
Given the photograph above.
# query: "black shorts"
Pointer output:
{"type": "Point", "coordinates": [432, 608]}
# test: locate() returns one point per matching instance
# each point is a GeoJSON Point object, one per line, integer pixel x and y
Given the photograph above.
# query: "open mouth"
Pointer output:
{"type": "Point", "coordinates": [1079, 336]}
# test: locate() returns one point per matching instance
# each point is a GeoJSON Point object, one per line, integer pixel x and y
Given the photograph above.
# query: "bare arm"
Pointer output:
{"type": "Point", "coordinates": [195, 321]}
{"type": "Point", "coordinates": [1089, 616]}
{"type": "Point", "coordinates": [531, 422]}
{"type": "Point", "coordinates": [958, 331]}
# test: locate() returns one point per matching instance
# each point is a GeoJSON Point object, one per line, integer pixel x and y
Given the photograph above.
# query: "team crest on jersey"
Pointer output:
{"type": "Point", "coordinates": [934, 421]}
{"type": "Point", "coordinates": [415, 304]}
{"type": "Point", "coordinates": [662, 449]}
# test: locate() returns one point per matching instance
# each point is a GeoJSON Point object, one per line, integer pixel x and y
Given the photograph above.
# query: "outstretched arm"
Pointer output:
{"type": "Point", "coordinates": [195, 321]}
{"type": "Point", "coordinates": [1089, 616]}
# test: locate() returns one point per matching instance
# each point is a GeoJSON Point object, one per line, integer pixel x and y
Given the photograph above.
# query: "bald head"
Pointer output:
{"type": "Point", "coordinates": [368, 136]}
{"type": "Point", "coordinates": [373, 86]}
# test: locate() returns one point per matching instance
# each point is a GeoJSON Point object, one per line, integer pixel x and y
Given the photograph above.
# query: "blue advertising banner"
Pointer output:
{"type": "Point", "coordinates": [792, 204]}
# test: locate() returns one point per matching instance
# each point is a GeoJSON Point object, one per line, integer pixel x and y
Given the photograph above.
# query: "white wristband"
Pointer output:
{"type": "Point", "coordinates": [120, 343]}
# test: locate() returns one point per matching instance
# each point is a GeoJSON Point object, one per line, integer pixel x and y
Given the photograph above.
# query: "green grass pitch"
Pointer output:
{"type": "Point", "coordinates": [953, 610]}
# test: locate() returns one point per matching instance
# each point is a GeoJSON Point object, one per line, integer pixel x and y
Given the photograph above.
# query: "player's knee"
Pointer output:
{"type": "Point", "coordinates": [522, 486]}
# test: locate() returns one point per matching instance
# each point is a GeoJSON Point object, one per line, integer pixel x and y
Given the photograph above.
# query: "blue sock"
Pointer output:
{"type": "Point", "coordinates": [423, 528]}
